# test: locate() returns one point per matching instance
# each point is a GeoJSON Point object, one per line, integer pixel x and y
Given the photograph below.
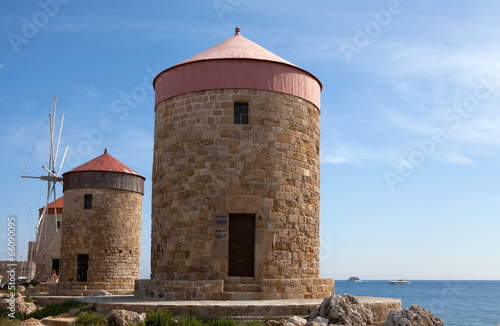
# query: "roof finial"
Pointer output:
{"type": "Point", "coordinates": [105, 150]}
{"type": "Point", "coordinates": [237, 31]}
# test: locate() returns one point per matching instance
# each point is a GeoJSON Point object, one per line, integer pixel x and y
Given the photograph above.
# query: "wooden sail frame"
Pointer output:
{"type": "Point", "coordinates": [53, 175]}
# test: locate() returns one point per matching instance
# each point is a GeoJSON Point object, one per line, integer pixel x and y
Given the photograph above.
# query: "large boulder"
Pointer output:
{"type": "Point", "coordinates": [19, 304]}
{"type": "Point", "coordinates": [124, 317]}
{"type": "Point", "coordinates": [297, 321]}
{"type": "Point", "coordinates": [32, 322]}
{"type": "Point", "coordinates": [413, 316]}
{"type": "Point", "coordinates": [344, 309]}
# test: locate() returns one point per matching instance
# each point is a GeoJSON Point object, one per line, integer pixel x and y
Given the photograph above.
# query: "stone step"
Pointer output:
{"type": "Point", "coordinates": [72, 293]}
{"type": "Point", "coordinates": [232, 304]}
{"type": "Point", "coordinates": [240, 296]}
{"type": "Point", "coordinates": [240, 280]}
{"type": "Point", "coordinates": [54, 321]}
{"type": "Point", "coordinates": [242, 288]}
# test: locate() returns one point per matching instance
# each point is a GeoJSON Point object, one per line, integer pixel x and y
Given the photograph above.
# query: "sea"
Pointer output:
{"type": "Point", "coordinates": [457, 303]}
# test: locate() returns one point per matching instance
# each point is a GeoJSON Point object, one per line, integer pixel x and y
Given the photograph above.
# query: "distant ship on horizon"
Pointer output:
{"type": "Point", "coordinates": [354, 279]}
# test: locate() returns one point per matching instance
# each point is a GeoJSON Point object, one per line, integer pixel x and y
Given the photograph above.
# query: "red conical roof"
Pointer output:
{"type": "Point", "coordinates": [50, 208]}
{"type": "Point", "coordinates": [237, 63]}
{"type": "Point", "coordinates": [105, 162]}
{"type": "Point", "coordinates": [237, 47]}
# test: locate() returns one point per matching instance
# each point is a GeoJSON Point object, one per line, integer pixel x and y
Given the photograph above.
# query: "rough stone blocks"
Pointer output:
{"type": "Point", "coordinates": [109, 232]}
{"type": "Point", "coordinates": [207, 168]}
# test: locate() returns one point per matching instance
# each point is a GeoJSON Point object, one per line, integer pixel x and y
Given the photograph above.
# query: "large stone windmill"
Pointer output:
{"type": "Point", "coordinates": [236, 176]}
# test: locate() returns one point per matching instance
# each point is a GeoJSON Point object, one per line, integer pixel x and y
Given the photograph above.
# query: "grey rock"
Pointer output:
{"type": "Point", "coordinates": [30, 287]}
{"type": "Point", "coordinates": [312, 323]}
{"type": "Point", "coordinates": [74, 312]}
{"type": "Point", "coordinates": [21, 289]}
{"type": "Point", "coordinates": [100, 293]}
{"type": "Point", "coordinates": [413, 316]}
{"type": "Point", "coordinates": [29, 307]}
{"type": "Point", "coordinates": [297, 320]}
{"type": "Point", "coordinates": [344, 309]}
{"type": "Point", "coordinates": [321, 320]}
{"type": "Point", "coordinates": [274, 323]}
{"type": "Point", "coordinates": [124, 317]}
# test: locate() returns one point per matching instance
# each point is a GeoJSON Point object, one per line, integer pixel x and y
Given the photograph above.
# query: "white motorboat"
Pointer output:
{"type": "Point", "coordinates": [400, 282]}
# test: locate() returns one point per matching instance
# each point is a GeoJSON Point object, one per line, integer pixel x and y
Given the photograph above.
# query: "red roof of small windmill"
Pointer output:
{"type": "Point", "coordinates": [51, 206]}
{"type": "Point", "coordinates": [105, 162]}
{"type": "Point", "coordinates": [237, 63]}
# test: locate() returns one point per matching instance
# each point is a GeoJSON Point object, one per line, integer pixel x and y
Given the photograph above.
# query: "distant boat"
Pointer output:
{"type": "Point", "coordinates": [354, 279]}
{"type": "Point", "coordinates": [400, 282]}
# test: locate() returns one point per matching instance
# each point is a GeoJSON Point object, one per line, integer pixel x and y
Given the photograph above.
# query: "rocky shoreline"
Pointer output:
{"type": "Point", "coordinates": [341, 309]}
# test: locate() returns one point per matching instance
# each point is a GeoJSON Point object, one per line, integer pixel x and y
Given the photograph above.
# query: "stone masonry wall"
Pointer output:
{"type": "Point", "coordinates": [297, 288]}
{"type": "Point", "coordinates": [205, 166]}
{"type": "Point", "coordinates": [47, 247]}
{"type": "Point", "coordinates": [276, 289]}
{"type": "Point", "coordinates": [110, 233]}
{"type": "Point", "coordinates": [179, 290]}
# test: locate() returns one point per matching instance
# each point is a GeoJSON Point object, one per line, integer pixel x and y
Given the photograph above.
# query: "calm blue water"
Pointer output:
{"type": "Point", "coordinates": [457, 303]}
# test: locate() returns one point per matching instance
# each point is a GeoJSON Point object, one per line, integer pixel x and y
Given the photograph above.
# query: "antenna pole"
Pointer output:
{"type": "Point", "coordinates": [58, 140]}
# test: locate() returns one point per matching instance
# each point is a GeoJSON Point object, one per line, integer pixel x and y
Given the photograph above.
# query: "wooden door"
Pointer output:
{"type": "Point", "coordinates": [241, 245]}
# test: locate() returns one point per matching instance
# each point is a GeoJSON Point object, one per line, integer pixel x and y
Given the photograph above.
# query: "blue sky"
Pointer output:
{"type": "Point", "coordinates": [410, 120]}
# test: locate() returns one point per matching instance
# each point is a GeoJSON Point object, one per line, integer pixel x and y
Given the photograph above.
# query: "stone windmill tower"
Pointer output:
{"type": "Point", "coordinates": [236, 174]}
{"type": "Point", "coordinates": [101, 233]}
{"type": "Point", "coordinates": [46, 250]}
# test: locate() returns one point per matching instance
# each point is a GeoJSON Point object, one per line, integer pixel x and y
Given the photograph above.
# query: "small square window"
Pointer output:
{"type": "Point", "coordinates": [240, 113]}
{"type": "Point", "coordinates": [88, 202]}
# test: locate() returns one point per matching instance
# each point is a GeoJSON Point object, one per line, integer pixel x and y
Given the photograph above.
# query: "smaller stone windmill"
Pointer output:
{"type": "Point", "coordinates": [101, 233]}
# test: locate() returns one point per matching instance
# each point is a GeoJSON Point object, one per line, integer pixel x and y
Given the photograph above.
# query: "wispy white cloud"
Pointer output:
{"type": "Point", "coordinates": [480, 132]}
{"type": "Point", "coordinates": [404, 119]}
{"type": "Point", "coordinates": [89, 92]}
{"type": "Point", "coordinates": [451, 66]}
{"type": "Point", "coordinates": [79, 24]}
{"type": "Point", "coordinates": [421, 81]}
{"type": "Point", "coordinates": [132, 32]}
{"type": "Point", "coordinates": [339, 152]}
{"type": "Point", "coordinates": [26, 144]}
{"type": "Point", "coordinates": [454, 157]}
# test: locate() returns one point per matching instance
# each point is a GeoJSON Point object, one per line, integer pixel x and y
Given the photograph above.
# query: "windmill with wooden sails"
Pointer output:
{"type": "Point", "coordinates": [45, 250]}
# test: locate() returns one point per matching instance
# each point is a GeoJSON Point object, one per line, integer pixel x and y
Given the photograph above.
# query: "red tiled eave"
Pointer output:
{"type": "Point", "coordinates": [50, 208]}
{"type": "Point", "coordinates": [104, 162]}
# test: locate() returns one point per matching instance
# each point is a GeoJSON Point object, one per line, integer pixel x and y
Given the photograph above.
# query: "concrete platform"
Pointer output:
{"type": "Point", "coordinates": [219, 308]}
